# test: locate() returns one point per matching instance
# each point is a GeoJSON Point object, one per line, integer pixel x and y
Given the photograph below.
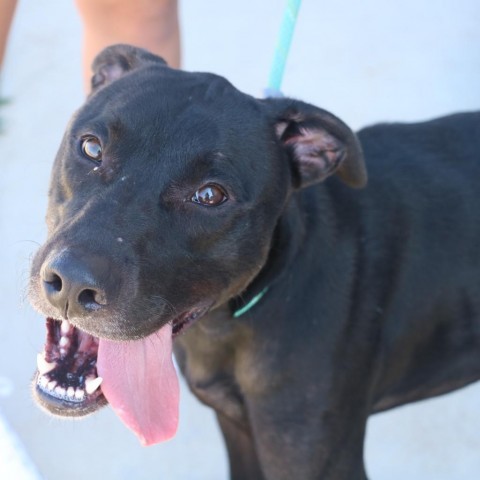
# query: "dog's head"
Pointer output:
{"type": "Point", "coordinates": [164, 200]}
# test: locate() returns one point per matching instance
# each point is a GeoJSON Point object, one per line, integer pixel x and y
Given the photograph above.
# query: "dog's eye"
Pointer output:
{"type": "Point", "coordinates": [92, 148]}
{"type": "Point", "coordinates": [210, 195]}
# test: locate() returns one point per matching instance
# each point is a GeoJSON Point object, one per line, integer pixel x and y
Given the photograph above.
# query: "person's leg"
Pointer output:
{"type": "Point", "coordinates": [7, 8]}
{"type": "Point", "coordinates": [151, 24]}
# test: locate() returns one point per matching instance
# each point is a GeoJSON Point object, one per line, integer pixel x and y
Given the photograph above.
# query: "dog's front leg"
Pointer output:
{"type": "Point", "coordinates": [296, 437]}
{"type": "Point", "coordinates": [242, 455]}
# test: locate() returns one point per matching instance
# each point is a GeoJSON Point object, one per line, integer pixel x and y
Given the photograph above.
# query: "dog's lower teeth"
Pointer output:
{"type": "Point", "coordinates": [44, 366]}
{"type": "Point", "coordinates": [79, 394]}
{"type": "Point", "coordinates": [60, 390]}
{"type": "Point", "coordinates": [43, 382]}
{"type": "Point", "coordinates": [91, 384]}
{"type": "Point", "coordinates": [72, 394]}
{"type": "Point", "coordinates": [64, 342]}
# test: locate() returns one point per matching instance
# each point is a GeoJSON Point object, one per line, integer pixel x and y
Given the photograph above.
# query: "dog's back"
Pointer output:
{"type": "Point", "coordinates": [421, 227]}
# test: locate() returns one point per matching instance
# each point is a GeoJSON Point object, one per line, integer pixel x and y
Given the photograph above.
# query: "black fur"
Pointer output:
{"type": "Point", "coordinates": [373, 294]}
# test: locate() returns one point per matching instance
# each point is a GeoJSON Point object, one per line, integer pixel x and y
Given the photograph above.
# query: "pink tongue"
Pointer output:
{"type": "Point", "coordinates": [141, 385]}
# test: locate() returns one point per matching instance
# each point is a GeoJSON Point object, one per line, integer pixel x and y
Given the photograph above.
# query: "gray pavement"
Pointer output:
{"type": "Point", "coordinates": [366, 61]}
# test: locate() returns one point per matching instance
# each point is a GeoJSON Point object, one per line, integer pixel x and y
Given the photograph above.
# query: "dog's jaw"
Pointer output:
{"type": "Point", "coordinates": [66, 382]}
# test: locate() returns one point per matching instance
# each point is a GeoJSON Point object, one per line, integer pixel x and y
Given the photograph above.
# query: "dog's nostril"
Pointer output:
{"type": "Point", "coordinates": [54, 281]}
{"type": "Point", "coordinates": [92, 299]}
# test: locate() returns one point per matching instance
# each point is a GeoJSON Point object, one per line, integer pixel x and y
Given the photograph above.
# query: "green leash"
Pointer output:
{"type": "Point", "coordinates": [273, 90]}
{"type": "Point", "coordinates": [283, 46]}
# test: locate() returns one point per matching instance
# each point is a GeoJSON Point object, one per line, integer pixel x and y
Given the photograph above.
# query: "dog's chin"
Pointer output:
{"type": "Point", "coordinates": [66, 382]}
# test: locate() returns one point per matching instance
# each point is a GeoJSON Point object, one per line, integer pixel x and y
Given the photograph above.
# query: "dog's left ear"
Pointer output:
{"type": "Point", "coordinates": [318, 143]}
{"type": "Point", "coordinates": [115, 61]}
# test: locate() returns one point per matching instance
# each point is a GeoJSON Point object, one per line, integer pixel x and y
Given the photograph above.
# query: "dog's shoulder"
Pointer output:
{"type": "Point", "coordinates": [455, 129]}
{"type": "Point", "coordinates": [442, 145]}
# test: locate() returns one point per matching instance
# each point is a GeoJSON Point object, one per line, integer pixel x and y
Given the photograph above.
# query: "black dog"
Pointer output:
{"type": "Point", "coordinates": [177, 201]}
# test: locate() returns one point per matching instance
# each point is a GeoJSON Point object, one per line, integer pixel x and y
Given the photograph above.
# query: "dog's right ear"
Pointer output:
{"type": "Point", "coordinates": [317, 142]}
{"type": "Point", "coordinates": [115, 61]}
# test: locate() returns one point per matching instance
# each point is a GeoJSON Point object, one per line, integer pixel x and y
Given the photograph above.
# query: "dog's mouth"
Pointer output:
{"type": "Point", "coordinates": [78, 373]}
{"type": "Point", "coordinates": [181, 323]}
{"type": "Point", "coordinates": [67, 382]}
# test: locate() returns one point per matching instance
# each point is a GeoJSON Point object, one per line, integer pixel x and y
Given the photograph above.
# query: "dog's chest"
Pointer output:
{"type": "Point", "coordinates": [207, 358]}
{"type": "Point", "coordinates": [221, 393]}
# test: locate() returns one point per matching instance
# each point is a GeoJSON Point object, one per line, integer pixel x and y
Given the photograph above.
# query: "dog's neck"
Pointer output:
{"type": "Point", "coordinates": [287, 239]}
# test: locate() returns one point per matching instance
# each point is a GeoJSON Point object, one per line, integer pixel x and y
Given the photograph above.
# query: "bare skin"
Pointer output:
{"type": "Point", "coordinates": [7, 9]}
{"type": "Point", "coordinates": [150, 24]}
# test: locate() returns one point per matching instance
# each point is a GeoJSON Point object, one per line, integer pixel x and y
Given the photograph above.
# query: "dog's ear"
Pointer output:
{"type": "Point", "coordinates": [115, 61]}
{"type": "Point", "coordinates": [318, 143]}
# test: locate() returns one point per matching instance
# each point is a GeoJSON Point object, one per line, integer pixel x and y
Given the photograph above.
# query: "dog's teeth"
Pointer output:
{"type": "Point", "coordinates": [60, 390]}
{"type": "Point", "coordinates": [64, 342]}
{"type": "Point", "coordinates": [43, 382]}
{"type": "Point", "coordinates": [91, 384]}
{"type": "Point", "coordinates": [44, 366]}
{"type": "Point", "coordinates": [79, 394]}
{"type": "Point", "coordinates": [51, 385]}
{"type": "Point", "coordinates": [71, 392]}
{"type": "Point", "coordinates": [65, 327]}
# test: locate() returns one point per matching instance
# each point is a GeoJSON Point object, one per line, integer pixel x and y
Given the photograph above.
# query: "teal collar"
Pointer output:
{"type": "Point", "coordinates": [250, 304]}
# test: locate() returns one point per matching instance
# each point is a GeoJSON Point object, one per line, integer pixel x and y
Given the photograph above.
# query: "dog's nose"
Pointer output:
{"type": "Point", "coordinates": [74, 285]}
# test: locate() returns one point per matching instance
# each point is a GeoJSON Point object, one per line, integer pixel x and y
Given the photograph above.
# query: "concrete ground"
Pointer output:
{"type": "Point", "coordinates": [366, 61]}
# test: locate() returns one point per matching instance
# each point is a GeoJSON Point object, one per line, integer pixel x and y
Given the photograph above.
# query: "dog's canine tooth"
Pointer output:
{"type": "Point", "coordinates": [44, 366]}
{"type": "Point", "coordinates": [64, 341]}
{"type": "Point", "coordinates": [91, 384]}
